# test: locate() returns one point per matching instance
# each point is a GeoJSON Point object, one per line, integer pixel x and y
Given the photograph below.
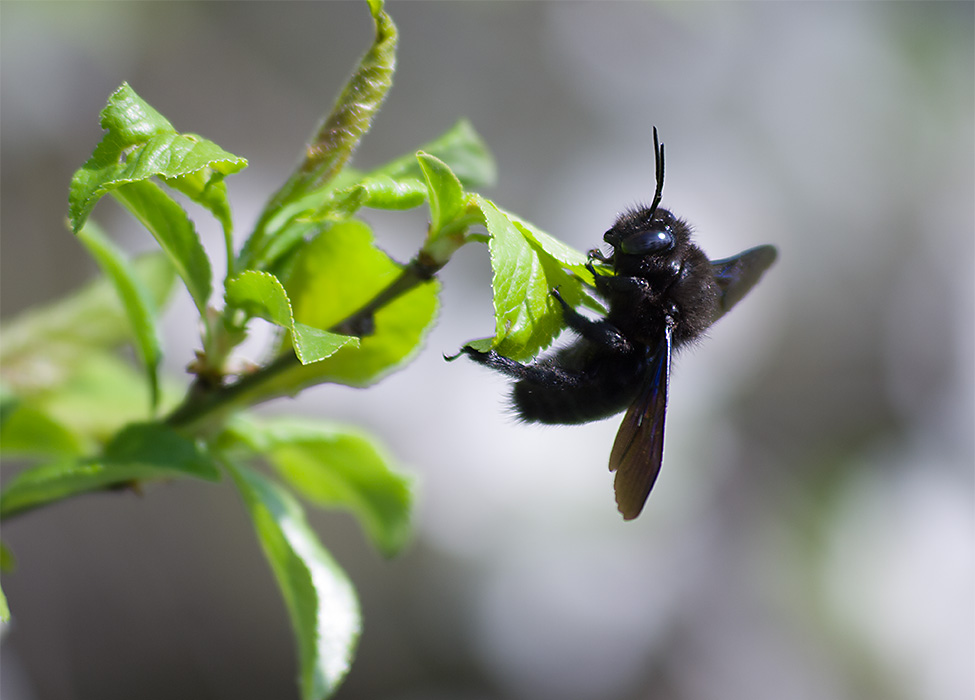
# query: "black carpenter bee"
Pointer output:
{"type": "Point", "coordinates": [664, 293]}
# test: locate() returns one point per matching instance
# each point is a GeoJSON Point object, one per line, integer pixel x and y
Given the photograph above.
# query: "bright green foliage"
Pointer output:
{"type": "Point", "coordinates": [335, 275]}
{"type": "Point", "coordinates": [76, 412]}
{"type": "Point", "coordinates": [171, 227]}
{"type": "Point", "coordinates": [135, 298]}
{"type": "Point", "coordinates": [321, 601]}
{"type": "Point", "coordinates": [446, 192]}
{"type": "Point", "coordinates": [526, 269]}
{"type": "Point", "coordinates": [337, 466]}
{"type": "Point", "coordinates": [141, 144]}
{"type": "Point", "coordinates": [262, 294]}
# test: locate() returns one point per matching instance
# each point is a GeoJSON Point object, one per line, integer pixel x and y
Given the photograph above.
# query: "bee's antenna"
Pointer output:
{"type": "Point", "coordinates": [658, 153]}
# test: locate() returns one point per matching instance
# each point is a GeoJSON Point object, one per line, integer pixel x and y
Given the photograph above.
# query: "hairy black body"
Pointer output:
{"type": "Point", "coordinates": [664, 293]}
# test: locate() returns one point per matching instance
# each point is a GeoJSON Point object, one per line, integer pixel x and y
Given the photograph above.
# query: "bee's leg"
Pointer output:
{"type": "Point", "coordinates": [615, 285]}
{"type": "Point", "coordinates": [549, 375]}
{"type": "Point", "coordinates": [602, 332]}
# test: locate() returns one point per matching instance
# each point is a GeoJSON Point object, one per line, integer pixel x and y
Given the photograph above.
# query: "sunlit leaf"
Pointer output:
{"type": "Point", "coordinates": [262, 294]}
{"type": "Point", "coordinates": [334, 276]}
{"type": "Point", "coordinates": [446, 192]}
{"type": "Point", "coordinates": [171, 227]}
{"type": "Point", "coordinates": [461, 148]}
{"type": "Point", "coordinates": [4, 608]}
{"type": "Point", "coordinates": [338, 467]}
{"type": "Point", "coordinates": [135, 298]}
{"type": "Point", "coordinates": [320, 599]}
{"type": "Point", "coordinates": [141, 144]}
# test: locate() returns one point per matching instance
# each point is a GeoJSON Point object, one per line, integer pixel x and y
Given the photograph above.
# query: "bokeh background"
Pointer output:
{"type": "Point", "coordinates": [811, 534]}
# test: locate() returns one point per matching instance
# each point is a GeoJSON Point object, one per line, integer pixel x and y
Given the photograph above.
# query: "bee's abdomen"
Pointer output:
{"type": "Point", "coordinates": [579, 398]}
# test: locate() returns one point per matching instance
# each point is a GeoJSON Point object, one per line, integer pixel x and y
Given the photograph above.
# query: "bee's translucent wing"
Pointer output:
{"type": "Point", "coordinates": [639, 446]}
{"type": "Point", "coordinates": [739, 273]}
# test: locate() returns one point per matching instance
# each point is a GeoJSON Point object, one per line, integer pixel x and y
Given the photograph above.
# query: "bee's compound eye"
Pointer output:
{"type": "Point", "coordinates": [648, 242]}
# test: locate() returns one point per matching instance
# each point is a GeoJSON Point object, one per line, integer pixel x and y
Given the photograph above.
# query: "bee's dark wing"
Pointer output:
{"type": "Point", "coordinates": [738, 274]}
{"type": "Point", "coordinates": [639, 446]}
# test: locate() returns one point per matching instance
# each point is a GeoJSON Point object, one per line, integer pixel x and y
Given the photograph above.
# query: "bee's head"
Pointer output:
{"type": "Point", "coordinates": [646, 240]}
{"type": "Point", "coordinates": [647, 243]}
{"type": "Point", "coordinates": [642, 232]}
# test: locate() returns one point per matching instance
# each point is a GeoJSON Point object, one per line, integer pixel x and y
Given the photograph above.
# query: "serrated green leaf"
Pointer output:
{"type": "Point", "coordinates": [527, 318]}
{"type": "Point", "coordinates": [135, 298]}
{"type": "Point", "coordinates": [141, 144]}
{"type": "Point", "coordinates": [171, 227]}
{"type": "Point", "coordinates": [40, 348]}
{"type": "Point", "coordinates": [262, 294]}
{"type": "Point", "coordinates": [334, 276]}
{"type": "Point", "coordinates": [140, 452]}
{"type": "Point", "coordinates": [321, 601]}
{"type": "Point", "coordinates": [338, 466]}
{"type": "Point", "coordinates": [554, 248]}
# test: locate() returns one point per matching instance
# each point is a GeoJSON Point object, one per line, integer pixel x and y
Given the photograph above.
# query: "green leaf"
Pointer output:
{"type": "Point", "coordinates": [377, 192]}
{"type": "Point", "coordinates": [404, 182]}
{"type": "Point", "coordinates": [40, 348]}
{"type": "Point", "coordinates": [7, 560]}
{"type": "Point", "coordinates": [528, 264]}
{"type": "Point", "coordinates": [338, 466]}
{"type": "Point", "coordinates": [169, 224]}
{"type": "Point", "coordinates": [141, 144]}
{"type": "Point", "coordinates": [461, 149]}
{"type": "Point", "coordinates": [397, 185]}
{"type": "Point", "coordinates": [206, 190]}
{"type": "Point", "coordinates": [101, 394]}
{"type": "Point", "coordinates": [552, 247]}
{"type": "Point", "coordinates": [6, 564]}
{"type": "Point", "coordinates": [4, 608]}
{"type": "Point", "coordinates": [135, 299]}
{"type": "Point", "coordinates": [262, 294]}
{"type": "Point", "coordinates": [140, 452]}
{"type": "Point", "coordinates": [446, 192]}
{"type": "Point", "coordinates": [320, 599]}
{"type": "Point", "coordinates": [334, 276]}
{"type": "Point", "coordinates": [28, 431]}
{"type": "Point", "coordinates": [527, 318]}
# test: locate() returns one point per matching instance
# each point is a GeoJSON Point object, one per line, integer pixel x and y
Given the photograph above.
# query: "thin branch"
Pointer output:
{"type": "Point", "coordinates": [203, 400]}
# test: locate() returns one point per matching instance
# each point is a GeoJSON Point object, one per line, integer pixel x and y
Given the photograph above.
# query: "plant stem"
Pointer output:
{"type": "Point", "coordinates": [206, 402]}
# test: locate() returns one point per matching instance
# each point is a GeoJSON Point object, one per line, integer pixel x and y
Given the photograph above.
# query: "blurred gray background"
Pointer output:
{"type": "Point", "coordinates": [811, 533]}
